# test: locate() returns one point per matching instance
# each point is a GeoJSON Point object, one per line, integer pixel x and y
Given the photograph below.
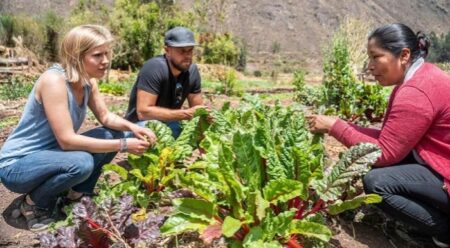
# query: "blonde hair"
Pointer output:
{"type": "Point", "coordinates": [76, 43]}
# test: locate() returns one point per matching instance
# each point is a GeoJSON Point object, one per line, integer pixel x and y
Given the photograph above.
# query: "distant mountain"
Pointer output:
{"type": "Point", "coordinates": [298, 27]}
{"type": "Point", "coordinates": [301, 26]}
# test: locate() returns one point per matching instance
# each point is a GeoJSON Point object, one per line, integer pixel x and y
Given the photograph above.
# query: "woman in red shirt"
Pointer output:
{"type": "Point", "coordinates": [414, 170]}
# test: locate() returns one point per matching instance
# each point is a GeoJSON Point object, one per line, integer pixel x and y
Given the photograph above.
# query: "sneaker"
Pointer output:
{"type": "Point", "coordinates": [37, 218]}
{"type": "Point", "coordinates": [441, 243]}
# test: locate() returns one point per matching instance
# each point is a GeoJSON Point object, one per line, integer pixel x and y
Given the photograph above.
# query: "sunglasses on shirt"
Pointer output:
{"type": "Point", "coordinates": [178, 93]}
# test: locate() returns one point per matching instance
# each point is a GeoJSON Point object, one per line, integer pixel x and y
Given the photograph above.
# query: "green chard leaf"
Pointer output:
{"type": "Point", "coordinates": [310, 230]}
{"type": "Point", "coordinates": [195, 208]}
{"type": "Point", "coordinates": [355, 162]}
{"type": "Point", "coordinates": [341, 206]}
{"type": "Point", "coordinates": [178, 224]}
{"type": "Point", "coordinates": [230, 226]}
{"type": "Point", "coordinates": [282, 190]}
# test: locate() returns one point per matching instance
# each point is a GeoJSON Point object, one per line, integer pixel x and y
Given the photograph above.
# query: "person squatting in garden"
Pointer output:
{"type": "Point", "coordinates": [412, 175]}
{"type": "Point", "coordinates": [44, 156]}
{"type": "Point", "coordinates": [164, 83]}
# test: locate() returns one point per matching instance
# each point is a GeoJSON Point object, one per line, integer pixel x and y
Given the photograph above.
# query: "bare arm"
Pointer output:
{"type": "Point", "coordinates": [195, 99]}
{"type": "Point", "coordinates": [111, 120]}
{"type": "Point", "coordinates": [101, 112]}
{"type": "Point", "coordinates": [52, 92]}
{"type": "Point", "coordinates": [146, 109]}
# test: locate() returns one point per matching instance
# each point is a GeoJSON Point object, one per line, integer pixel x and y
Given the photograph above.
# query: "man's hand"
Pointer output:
{"type": "Point", "coordinates": [190, 111]}
{"type": "Point", "coordinates": [320, 123]}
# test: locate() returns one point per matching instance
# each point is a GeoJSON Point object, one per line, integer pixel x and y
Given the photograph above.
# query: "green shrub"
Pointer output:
{"type": "Point", "coordinates": [53, 25]}
{"type": "Point", "coordinates": [88, 12]}
{"type": "Point", "coordinates": [299, 83]}
{"type": "Point", "coordinates": [228, 83]}
{"type": "Point", "coordinates": [257, 73]}
{"type": "Point", "coordinates": [8, 122]}
{"type": "Point", "coordinates": [276, 47]}
{"type": "Point", "coordinates": [138, 26]}
{"type": "Point", "coordinates": [6, 30]}
{"type": "Point", "coordinates": [38, 34]}
{"type": "Point", "coordinates": [444, 66]}
{"type": "Point", "coordinates": [304, 94]}
{"type": "Point", "coordinates": [338, 76]}
{"type": "Point", "coordinates": [31, 32]}
{"type": "Point", "coordinates": [440, 48]}
{"type": "Point", "coordinates": [16, 87]}
{"type": "Point", "coordinates": [343, 94]}
{"type": "Point", "coordinates": [354, 31]}
{"type": "Point", "coordinates": [141, 28]}
{"type": "Point", "coordinates": [117, 88]}
{"type": "Point", "coordinates": [242, 59]}
{"type": "Point", "coordinates": [222, 49]}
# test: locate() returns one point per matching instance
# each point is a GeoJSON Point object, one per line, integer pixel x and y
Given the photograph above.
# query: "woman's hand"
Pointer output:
{"type": "Point", "coordinates": [320, 123]}
{"type": "Point", "coordinates": [143, 133]}
{"type": "Point", "coordinates": [137, 146]}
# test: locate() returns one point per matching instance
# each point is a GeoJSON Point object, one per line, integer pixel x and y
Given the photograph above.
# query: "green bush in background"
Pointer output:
{"type": "Point", "coordinates": [343, 94]}
{"type": "Point", "coordinates": [38, 34]}
{"type": "Point", "coordinates": [16, 87]}
{"type": "Point", "coordinates": [138, 27]}
{"type": "Point", "coordinates": [337, 73]}
{"type": "Point", "coordinates": [440, 48]}
{"type": "Point", "coordinates": [222, 48]}
{"type": "Point", "coordinates": [228, 83]}
{"type": "Point", "coordinates": [53, 25]}
{"type": "Point", "coordinates": [117, 87]}
{"type": "Point", "coordinates": [6, 30]}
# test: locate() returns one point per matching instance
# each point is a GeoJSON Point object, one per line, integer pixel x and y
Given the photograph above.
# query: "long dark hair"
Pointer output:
{"type": "Point", "coordinates": [395, 37]}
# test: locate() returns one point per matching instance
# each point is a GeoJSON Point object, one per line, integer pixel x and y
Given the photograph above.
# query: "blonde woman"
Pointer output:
{"type": "Point", "coordinates": [44, 156]}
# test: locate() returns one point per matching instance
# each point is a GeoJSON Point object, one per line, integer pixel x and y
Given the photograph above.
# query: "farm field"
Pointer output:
{"type": "Point", "coordinates": [346, 233]}
{"type": "Point", "coordinates": [246, 171]}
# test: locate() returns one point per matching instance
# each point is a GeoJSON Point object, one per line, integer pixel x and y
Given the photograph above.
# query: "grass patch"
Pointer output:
{"type": "Point", "coordinates": [251, 84]}
{"type": "Point", "coordinates": [444, 66]}
{"type": "Point", "coordinates": [277, 96]}
{"type": "Point", "coordinates": [116, 88]}
{"type": "Point", "coordinates": [241, 85]}
{"type": "Point", "coordinates": [16, 87]}
{"type": "Point", "coordinates": [9, 121]}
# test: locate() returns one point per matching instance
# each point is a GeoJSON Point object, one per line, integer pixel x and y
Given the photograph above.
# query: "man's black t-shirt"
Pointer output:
{"type": "Point", "coordinates": [156, 78]}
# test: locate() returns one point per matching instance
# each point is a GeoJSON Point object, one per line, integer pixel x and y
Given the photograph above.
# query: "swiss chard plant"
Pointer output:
{"type": "Point", "coordinates": [152, 172]}
{"type": "Point", "coordinates": [253, 174]}
{"type": "Point", "coordinates": [260, 180]}
{"type": "Point", "coordinates": [111, 223]}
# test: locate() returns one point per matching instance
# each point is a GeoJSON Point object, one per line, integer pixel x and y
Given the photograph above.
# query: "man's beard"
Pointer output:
{"type": "Point", "coordinates": [180, 67]}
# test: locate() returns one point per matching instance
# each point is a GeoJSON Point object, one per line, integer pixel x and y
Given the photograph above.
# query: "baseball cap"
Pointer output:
{"type": "Point", "coordinates": [179, 37]}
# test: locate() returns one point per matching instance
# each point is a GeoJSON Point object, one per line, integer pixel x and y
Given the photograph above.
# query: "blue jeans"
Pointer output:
{"type": "Point", "coordinates": [46, 174]}
{"type": "Point", "coordinates": [413, 194]}
{"type": "Point", "coordinates": [175, 126]}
